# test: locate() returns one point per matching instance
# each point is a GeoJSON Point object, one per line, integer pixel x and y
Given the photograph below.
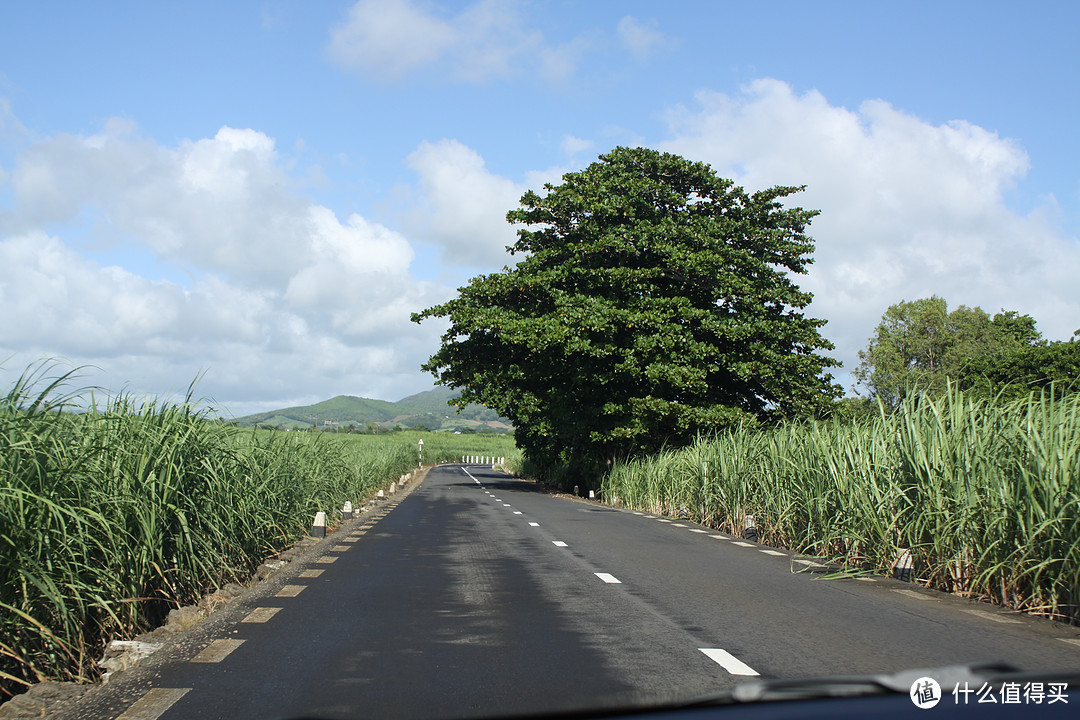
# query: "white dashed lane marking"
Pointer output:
{"type": "Point", "coordinates": [153, 704]}
{"type": "Point", "coordinates": [559, 543]}
{"type": "Point", "coordinates": [743, 544]}
{"type": "Point", "coordinates": [534, 524]}
{"type": "Point", "coordinates": [729, 662]}
{"type": "Point", "coordinates": [608, 578]}
{"type": "Point", "coordinates": [912, 593]}
{"type": "Point", "coordinates": [772, 552]}
{"type": "Point", "coordinates": [992, 616]}
{"type": "Point", "coordinates": [807, 563]}
{"type": "Point", "coordinates": [698, 530]}
{"type": "Point", "coordinates": [261, 615]}
{"type": "Point", "coordinates": [517, 512]}
{"type": "Point", "coordinates": [217, 651]}
{"type": "Point", "coordinates": [290, 591]}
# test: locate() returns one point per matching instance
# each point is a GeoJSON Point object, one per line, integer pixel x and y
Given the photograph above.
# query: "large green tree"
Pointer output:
{"type": "Point", "coordinates": [654, 301]}
{"type": "Point", "coordinates": [920, 346]}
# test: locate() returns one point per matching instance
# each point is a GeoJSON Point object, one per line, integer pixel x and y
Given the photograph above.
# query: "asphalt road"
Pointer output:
{"type": "Point", "coordinates": [479, 595]}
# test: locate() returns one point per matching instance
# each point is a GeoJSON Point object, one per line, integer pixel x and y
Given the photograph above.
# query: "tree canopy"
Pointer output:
{"type": "Point", "coordinates": [654, 302]}
{"type": "Point", "coordinates": [920, 346]}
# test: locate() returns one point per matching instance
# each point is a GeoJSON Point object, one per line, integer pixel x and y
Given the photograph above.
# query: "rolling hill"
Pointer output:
{"type": "Point", "coordinates": [428, 408]}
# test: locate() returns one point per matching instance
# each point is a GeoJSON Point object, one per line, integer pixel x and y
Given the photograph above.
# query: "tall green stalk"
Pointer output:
{"type": "Point", "coordinates": [984, 493]}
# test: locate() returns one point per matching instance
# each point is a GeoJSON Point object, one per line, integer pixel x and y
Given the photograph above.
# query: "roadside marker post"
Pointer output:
{"type": "Point", "coordinates": [904, 566]}
{"type": "Point", "coordinates": [318, 528]}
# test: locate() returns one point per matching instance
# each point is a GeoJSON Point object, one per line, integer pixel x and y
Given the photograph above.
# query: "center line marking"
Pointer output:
{"type": "Point", "coordinates": [729, 662]}
{"type": "Point", "coordinates": [559, 543]}
{"type": "Point", "coordinates": [608, 578]}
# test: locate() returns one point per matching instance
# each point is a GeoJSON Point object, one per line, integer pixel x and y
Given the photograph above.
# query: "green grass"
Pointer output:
{"type": "Point", "coordinates": [985, 494]}
{"type": "Point", "coordinates": [115, 514]}
{"type": "Point", "coordinates": [439, 447]}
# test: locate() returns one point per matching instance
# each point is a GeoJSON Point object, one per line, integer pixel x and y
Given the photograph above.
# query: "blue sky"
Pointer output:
{"type": "Point", "coordinates": [261, 192]}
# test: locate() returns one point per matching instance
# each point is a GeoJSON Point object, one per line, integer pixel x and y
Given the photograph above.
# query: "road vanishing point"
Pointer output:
{"type": "Point", "coordinates": [474, 594]}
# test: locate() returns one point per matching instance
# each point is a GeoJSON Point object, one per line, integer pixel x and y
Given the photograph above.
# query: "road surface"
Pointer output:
{"type": "Point", "coordinates": [479, 595]}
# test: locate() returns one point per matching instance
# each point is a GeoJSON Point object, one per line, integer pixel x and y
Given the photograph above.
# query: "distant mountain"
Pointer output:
{"type": "Point", "coordinates": [428, 408]}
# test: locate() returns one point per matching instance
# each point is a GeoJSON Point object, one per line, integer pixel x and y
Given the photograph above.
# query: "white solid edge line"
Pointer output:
{"type": "Point", "coordinates": [729, 662]}
{"type": "Point", "coordinates": [608, 578]}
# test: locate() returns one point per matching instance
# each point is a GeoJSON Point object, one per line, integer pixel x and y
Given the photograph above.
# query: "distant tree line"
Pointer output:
{"type": "Point", "coordinates": [920, 347]}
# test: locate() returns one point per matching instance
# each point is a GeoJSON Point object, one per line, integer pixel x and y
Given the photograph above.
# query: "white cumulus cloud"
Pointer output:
{"type": "Point", "coordinates": [282, 299]}
{"type": "Point", "coordinates": [386, 40]}
{"type": "Point", "coordinates": [908, 209]}
{"type": "Point", "coordinates": [640, 38]}
{"type": "Point", "coordinates": [463, 205]}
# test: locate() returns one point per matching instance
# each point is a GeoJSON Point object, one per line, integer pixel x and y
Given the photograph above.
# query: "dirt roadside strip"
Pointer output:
{"type": "Point", "coordinates": [129, 663]}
